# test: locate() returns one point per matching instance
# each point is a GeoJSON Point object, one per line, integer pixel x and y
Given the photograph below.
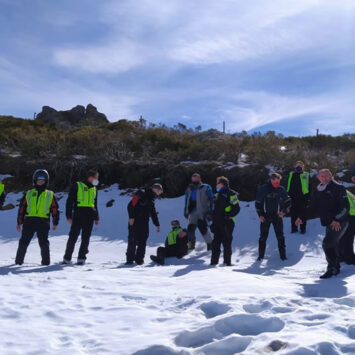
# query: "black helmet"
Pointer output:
{"type": "Point", "coordinates": [40, 174]}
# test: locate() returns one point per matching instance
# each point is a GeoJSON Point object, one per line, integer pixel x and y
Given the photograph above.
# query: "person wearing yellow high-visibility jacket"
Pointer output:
{"type": "Point", "coordinates": [226, 207]}
{"type": "Point", "coordinates": [298, 188]}
{"type": "Point", "coordinates": [34, 212]}
{"type": "Point", "coordinates": [175, 244]}
{"type": "Point", "coordinates": [346, 244]}
{"type": "Point", "coordinates": [81, 213]}
{"type": "Point", "coordinates": [2, 194]}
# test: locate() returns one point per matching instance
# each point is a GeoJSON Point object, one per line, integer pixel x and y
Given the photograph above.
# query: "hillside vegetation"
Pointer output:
{"type": "Point", "coordinates": [135, 153]}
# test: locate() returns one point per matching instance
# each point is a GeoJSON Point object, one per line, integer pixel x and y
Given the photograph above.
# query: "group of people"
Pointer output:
{"type": "Point", "coordinates": [214, 215]}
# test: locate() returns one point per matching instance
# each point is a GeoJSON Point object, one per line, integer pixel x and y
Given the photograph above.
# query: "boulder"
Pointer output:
{"type": "Point", "coordinates": [75, 117]}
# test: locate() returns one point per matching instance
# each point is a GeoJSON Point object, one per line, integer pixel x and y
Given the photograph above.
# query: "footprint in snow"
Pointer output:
{"type": "Point", "coordinates": [241, 324]}
{"type": "Point", "coordinates": [257, 307]}
{"type": "Point", "coordinates": [213, 309]}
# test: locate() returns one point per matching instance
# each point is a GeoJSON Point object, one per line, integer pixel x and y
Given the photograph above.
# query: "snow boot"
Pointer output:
{"type": "Point", "coordinates": [157, 260]}
{"type": "Point", "coordinates": [329, 273]}
{"type": "Point", "coordinates": [191, 245]}
{"type": "Point", "coordinates": [80, 262]}
{"type": "Point", "coordinates": [66, 262]}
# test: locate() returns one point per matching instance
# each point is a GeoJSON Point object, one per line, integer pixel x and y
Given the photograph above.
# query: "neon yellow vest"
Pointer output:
{"type": "Point", "coordinates": [85, 196]}
{"type": "Point", "coordinates": [2, 188]}
{"type": "Point", "coordinates": [38, 206]}
{"type": "Point", "coordinates": [233, 200]}
{"type": "Point", "coordinates": [351, 198]}
{"type": "Point", "coordinates": [304, 182]}
{"type": "Point", "coordinates": [173, 234]}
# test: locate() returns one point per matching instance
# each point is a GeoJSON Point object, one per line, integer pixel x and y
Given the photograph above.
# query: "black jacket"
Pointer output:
{"type": "Point", "coordinates": [2, 198]}
{"type": "Point", "coordinates": [142, 207]}
{"type": "Point", "coordinates": [222, 201]}
{"type": "Point", "coordinates": [180, 248]}
{"type": "Point", "coordinates": [296, 188]}
{"type": "Point", "coordinates": [72, 201]}
{"type": "Point", "coordinates": [270, 201]}
{"type": "Point", "coordinates": [331, 204]}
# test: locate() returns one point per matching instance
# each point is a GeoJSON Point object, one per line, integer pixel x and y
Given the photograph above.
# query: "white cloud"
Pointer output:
{"type": "Point", "coordinates": [332, 112]}
{"type": "Point", "coordinates": [112, 58]}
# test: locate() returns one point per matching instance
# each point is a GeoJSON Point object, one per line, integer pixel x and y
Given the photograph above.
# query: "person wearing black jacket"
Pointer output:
{"type": "Point", "coordinates": [298, 188]}
{"type": "Point", "coordinates": [226, 207]}
{"type": "Point", "coordinates": [2, 194]}
{"type": "Point", "coordinates": [176, 244]}
{"type": "Point", "coordinates": [332, 204]}
{"type": "Point", "coordinates": [34, 212]}
{"type": "Point", "coordinates": [140, 209]}
{"type": "Point", "coordinates": [81, 213]}
{"type": "Point", "coordinates": [272, 204]}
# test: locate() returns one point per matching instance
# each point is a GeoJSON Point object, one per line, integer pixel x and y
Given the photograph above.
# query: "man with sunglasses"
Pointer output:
{"type": "Point", "coordinates": [272, 204]}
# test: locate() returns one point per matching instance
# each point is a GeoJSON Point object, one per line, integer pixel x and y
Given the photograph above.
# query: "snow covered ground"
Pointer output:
{"type": "Point", "coordinates": [186, 307]}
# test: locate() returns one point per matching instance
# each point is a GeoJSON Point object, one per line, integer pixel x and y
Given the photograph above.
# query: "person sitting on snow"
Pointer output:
{"type": "Point", "coordinates": [175, 244]}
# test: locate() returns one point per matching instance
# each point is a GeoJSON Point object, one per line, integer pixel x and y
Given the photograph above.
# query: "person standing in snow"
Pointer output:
{"type": "Point", "coordinates": [140, 209]}
{"type": "Point", "coordinates": [34, 212]}
{"type": "Point", "coordinates": [2, 194]}
{"type": "Point", "coordinates": [81, 213]}
{"type": "Point", "coordinates": [226, 207]}
{"type": "Point", "coordinates": [272, 204]}
{"type": "Point", "coordinates": [346, 244]}
{"type": "Point", "coordinates": [298, 188]}
{"type": "Point", "coordinates": [332, 204]}
{"type": "Point", "coordinates": [198, 210]}
{"type": "Point", "coordinates": [175, 244]}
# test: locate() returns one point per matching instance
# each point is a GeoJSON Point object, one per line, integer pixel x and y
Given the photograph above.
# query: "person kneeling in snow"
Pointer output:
{"type": "Point", "coordinates": [175, 244]}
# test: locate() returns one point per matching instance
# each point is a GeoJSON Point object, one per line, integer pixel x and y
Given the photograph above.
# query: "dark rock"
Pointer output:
{"type": "Point", "coordinates": [276, 345]}
{"type": "Point", "coordinates": [110, 203]}
{"type": "Point", "coordinates": [75, 117]}
{"type": "Point", "coordinates": [7, 207]}
{"type": "Point", "coordinates": [92, 116]}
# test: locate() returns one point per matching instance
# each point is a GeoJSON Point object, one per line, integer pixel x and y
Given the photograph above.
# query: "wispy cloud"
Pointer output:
{"type": "Point", "coordinates": [115, 58]}
{"type": "Point", "coordinates": [252, 63]}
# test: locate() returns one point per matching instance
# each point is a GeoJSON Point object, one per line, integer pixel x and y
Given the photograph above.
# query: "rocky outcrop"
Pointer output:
{"type": "Point", "coordinates": [77, 116]}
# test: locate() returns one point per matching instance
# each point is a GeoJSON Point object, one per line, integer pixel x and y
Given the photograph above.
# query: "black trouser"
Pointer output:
{"type": "Point", "coordinates": [346, 244]}
{"type": "Point", "coordinates": [331, 245]}
{"type": "Point", "coordinates": [30, 227]}
{"type": "Point", "coordinates": [137, 242]}
{"type": "Point", "coordinates": [277, 223]}
{"type": "Point", "coordinates": [171, 250]}
{"type": "Point", "coordinates": [82, 222]}
{"type": "Point", "coordinates": [223, 235]}
{"type": "Point", "coordinates": [298, 210]}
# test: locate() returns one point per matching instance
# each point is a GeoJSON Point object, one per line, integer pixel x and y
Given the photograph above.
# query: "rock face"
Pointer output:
{"type": "Point", "coordinates": [77, 116]}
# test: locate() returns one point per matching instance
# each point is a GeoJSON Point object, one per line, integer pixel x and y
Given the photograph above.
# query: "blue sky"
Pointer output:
{"type": "Point", "coordinates": [264, 65]}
